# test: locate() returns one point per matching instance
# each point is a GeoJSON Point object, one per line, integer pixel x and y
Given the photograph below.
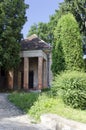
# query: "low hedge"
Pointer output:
{"type": "Point", "coordinates": [71, 86]}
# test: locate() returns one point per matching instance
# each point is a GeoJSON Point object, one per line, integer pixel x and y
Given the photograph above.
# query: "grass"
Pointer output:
{"type": "Point", "coordinates": [23, 100]}
{"type": "Point", "coordinates": [36, 104]}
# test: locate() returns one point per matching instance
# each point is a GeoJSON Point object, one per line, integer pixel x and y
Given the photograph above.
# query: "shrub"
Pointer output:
{"type": "Point", "coordinates": [71, 86]}
{"type": "Point", "coordinates": [44, 104]}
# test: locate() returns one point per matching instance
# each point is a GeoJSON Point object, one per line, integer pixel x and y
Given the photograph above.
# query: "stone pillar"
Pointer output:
{"type": "Point", "coordinates": [45, 75]}
{"type": "Point", "coordinates": [19, 80]}
{"type": "Point", "coordinates": [40, 73]}
{"type": "Point", "coordinates": [10, 79]}
{"type": "Point", "coordinates": [26, 73]}
{"type": "Point", "coordinates": [50, 71]}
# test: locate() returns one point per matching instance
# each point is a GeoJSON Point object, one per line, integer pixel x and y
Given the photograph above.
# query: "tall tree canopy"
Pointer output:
{"type": "Point", "coordinates": [12, 19]}
{"type": "Point", "coordinates": [78, 9]}
{"type": "Point", "coordinates": [67, 47]}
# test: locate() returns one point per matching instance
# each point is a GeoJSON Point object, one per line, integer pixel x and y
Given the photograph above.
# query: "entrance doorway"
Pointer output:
{"type": "Point", "coordinates": [31, 79]}
{"type": "Point", "coordinates": [3, 80]}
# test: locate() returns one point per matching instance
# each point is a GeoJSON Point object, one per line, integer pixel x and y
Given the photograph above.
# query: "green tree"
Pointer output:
{"type": "Point", "coordinates": [58, 64]}
{"type": "Point", "coordinates": [12, 19]}
{"type": "Point", "coordinates": [33, 30]}
{"type": "Point", "coordinates": [41, 30]}
{"type": "Point", "coordinates": [52, 24]}
{"type": "Point", "coordinates": [67, 35]}
{"type": "Point", "coordinates": [78, 9]}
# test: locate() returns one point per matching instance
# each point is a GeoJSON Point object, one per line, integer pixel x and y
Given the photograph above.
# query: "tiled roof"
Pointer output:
{"type": "Point", "coordinates": [34, 43]}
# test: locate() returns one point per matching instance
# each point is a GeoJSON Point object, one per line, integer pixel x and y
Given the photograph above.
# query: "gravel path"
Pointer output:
{"type": "Point", "coordinates": [11, 118]}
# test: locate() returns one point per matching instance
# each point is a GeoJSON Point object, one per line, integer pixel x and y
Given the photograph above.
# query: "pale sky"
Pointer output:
{"type": "Point", "coordinates": [39, 11]}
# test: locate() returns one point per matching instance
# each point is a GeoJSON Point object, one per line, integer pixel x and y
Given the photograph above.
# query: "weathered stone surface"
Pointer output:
{"type": "Point", "coordinates": [26, 71]}
{"type": "Point", "coordinates": [50, 72]}
{"type": "Point", "coordinates": [33, 53]}
{"type": "Point", "coordinates": [40, 72]}
{"type": "Point", "coordinates": [45, 84]}
{"type": "Point", "coordinates": [55, 122]}
{"type": "Point", "coordinates": [10, 79]}
{"type": "Point", "coordinates": [19, 80]}
{"type": "Point", "coordinates": [12, 118]}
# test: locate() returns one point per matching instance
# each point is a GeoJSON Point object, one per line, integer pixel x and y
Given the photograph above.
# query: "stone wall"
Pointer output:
{"type": "Point", "coordinates": [54, 122]}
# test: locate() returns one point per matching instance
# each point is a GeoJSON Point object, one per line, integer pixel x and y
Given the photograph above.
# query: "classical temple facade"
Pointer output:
{"type": "Point", "coordinates": [34, 71]}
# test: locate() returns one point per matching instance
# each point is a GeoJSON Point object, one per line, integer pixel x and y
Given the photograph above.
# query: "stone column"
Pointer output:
{"type": "Point", "coordinates": [10, 79]}
{"type": "Point", "coordinates": [26, 73]}
{"type": "Point", "coordinates": [50, 71]}
{"type": "Point", "coordinates": [40, 73]}
{"type": "Point", "coordinates": [19, 80]}
{"type": "Point", "coordinates": [45, 75]}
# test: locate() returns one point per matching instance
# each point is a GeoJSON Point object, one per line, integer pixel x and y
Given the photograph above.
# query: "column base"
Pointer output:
{"type": "Point", "coordinates": [39, 86]}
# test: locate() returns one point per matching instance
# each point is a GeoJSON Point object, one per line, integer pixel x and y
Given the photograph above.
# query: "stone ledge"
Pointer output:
{"type": "Point", "coordinates": [55, 122]}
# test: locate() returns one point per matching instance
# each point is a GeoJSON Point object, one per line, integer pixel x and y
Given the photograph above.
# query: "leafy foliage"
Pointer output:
{"type": "Point", "coordinates": [36, 104]}
{"type": "Point", "coordinates": [41, 30]}
{"type": "Point", "coordinates": [43, 105]}
{"type": "Point", "coordinates": [71, 86]}
{"type": "Point", "coordinates": [78, 9]}
{"type": "Point", "coordinates": [67, 50]}
{"type": "Point", "coordinates": [58, 64]}
{"type": "Point", "coordinates": [12, 19]}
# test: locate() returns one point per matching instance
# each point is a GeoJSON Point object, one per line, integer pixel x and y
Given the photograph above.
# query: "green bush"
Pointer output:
{"type": "Point", "coordinates": [71, 86]}
{"type": "Point", "coordinates": [36, 104]}
{"type": "Point", "coordinates": [44, 104]}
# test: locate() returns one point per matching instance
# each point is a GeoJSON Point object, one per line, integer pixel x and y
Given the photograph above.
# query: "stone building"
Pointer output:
{"type": "Point", "coordinates": [34, 71]}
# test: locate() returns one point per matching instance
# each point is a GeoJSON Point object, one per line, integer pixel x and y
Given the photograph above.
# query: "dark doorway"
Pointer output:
{"type": "Point", "coordinates": [31, 77]}
{"type": "Point", "coordinates": [3, 81]}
